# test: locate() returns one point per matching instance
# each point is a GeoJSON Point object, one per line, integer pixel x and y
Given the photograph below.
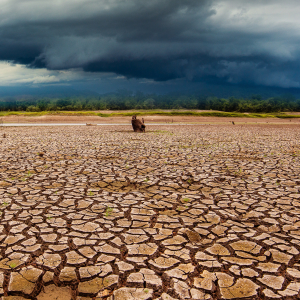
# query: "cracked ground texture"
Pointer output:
{"type": "Point", "coordinates": [190, 212]}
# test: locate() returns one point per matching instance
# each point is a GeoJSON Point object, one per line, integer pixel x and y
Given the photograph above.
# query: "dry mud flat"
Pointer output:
{"type": "Point", "coordinates": [79, 119]}
{"type": "Point", "coordinates": [191, 212]}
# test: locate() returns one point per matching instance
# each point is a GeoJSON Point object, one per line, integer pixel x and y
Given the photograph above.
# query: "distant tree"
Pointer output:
{"type": "Point", "coordinates": [149, 103]}
{"type": "Point", "coordinates": [42, 105]}
{"type": "Point", "coordinates": [32, 108]}
{"type": "Point", "coordinates": [63, 103]}
{"type": "Point", "coordinates": [256, 97]}
{"type": "Point", "coordinates": [127, 100]}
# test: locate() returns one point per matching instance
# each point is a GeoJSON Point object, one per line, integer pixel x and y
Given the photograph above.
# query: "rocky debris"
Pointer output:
{"type": "Point", "coordinates": [179, 213]}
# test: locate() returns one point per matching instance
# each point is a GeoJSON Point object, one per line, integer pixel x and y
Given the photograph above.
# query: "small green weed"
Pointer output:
{"type": "Point", "coordinates": [186, 200]}
{"type": "Point", "coordinates": [12, 265]}
{"type": "Point", "coordinates": [108, 211]}
{"type": "Point", "coordinates": [29, 173]}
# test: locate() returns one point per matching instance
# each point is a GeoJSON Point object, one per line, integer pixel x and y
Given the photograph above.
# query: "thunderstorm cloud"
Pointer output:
{"type": "Point", "coordinates": [231, 41]}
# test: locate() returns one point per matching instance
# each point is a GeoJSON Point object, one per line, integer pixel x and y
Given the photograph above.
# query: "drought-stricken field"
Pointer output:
{"type": "Point", "coordinates": [190, 212]}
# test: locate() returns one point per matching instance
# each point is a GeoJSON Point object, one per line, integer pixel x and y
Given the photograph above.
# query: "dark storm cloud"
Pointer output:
{"type": "Point", "coordinates": [231, 41]}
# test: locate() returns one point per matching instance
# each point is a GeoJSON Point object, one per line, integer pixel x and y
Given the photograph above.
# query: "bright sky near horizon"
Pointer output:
{"type": "Point", "coordinates": [147, 42]}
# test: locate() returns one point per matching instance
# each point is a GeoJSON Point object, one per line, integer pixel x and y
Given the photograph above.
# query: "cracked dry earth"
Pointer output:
{"type": "Point", "coordinates": [191, 212]}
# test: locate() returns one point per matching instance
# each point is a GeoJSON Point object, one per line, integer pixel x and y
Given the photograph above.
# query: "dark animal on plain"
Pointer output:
{"type": "Point", "coordinates": [138, 125]}
{"type": "Point", "coordinates": [4, 135]}
{"type": "Point", "coordinates": [233, 123]}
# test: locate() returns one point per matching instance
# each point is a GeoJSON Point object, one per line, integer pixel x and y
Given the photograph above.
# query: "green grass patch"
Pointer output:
{"type": "Point", "coordinates": [43, 113]}
{"type": "Point", "coordinates": [195, 113]}
{"type": "Point", "coordinates": [108, 211]}
{"type": "Point", "coordinates": [12, 265]}
{"type": "Point", "coordinates": [174, 113]}
{"type": "Point", "coordinates": [186, 200]}
{"type": "Point", "coordinates": [287, 116]}
{"type": "Point", "coordinates": [151, 112]}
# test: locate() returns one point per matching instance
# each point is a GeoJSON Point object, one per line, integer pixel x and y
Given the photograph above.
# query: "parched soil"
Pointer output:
{"type": "Point", "coordinates": [178, 212]}
{"type": "Point", "coordinates": [151, 119]}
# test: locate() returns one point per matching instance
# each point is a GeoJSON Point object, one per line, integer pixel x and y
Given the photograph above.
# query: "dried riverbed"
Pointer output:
{"type": "Point", "coordinates": [191, 212]}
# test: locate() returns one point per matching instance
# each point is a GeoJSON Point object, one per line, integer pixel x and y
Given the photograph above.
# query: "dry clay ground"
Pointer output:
{"type": "Point", "coordinates": [150, 119]}
{"type": "Point", "coordinates": [184, 212]}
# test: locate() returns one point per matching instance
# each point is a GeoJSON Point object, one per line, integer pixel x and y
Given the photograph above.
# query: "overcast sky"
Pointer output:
{"type": "Point", "coordinates": [135, 43]}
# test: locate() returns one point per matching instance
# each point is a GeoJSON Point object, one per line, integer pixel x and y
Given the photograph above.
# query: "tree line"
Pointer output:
{"type": "Point", "coordinates": [129, 101]}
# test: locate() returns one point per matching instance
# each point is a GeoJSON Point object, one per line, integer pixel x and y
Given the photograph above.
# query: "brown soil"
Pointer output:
{"type": "Point", "coordinates": [188, 212]}
{"type": "Point", "coordinates": [148, 120]}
